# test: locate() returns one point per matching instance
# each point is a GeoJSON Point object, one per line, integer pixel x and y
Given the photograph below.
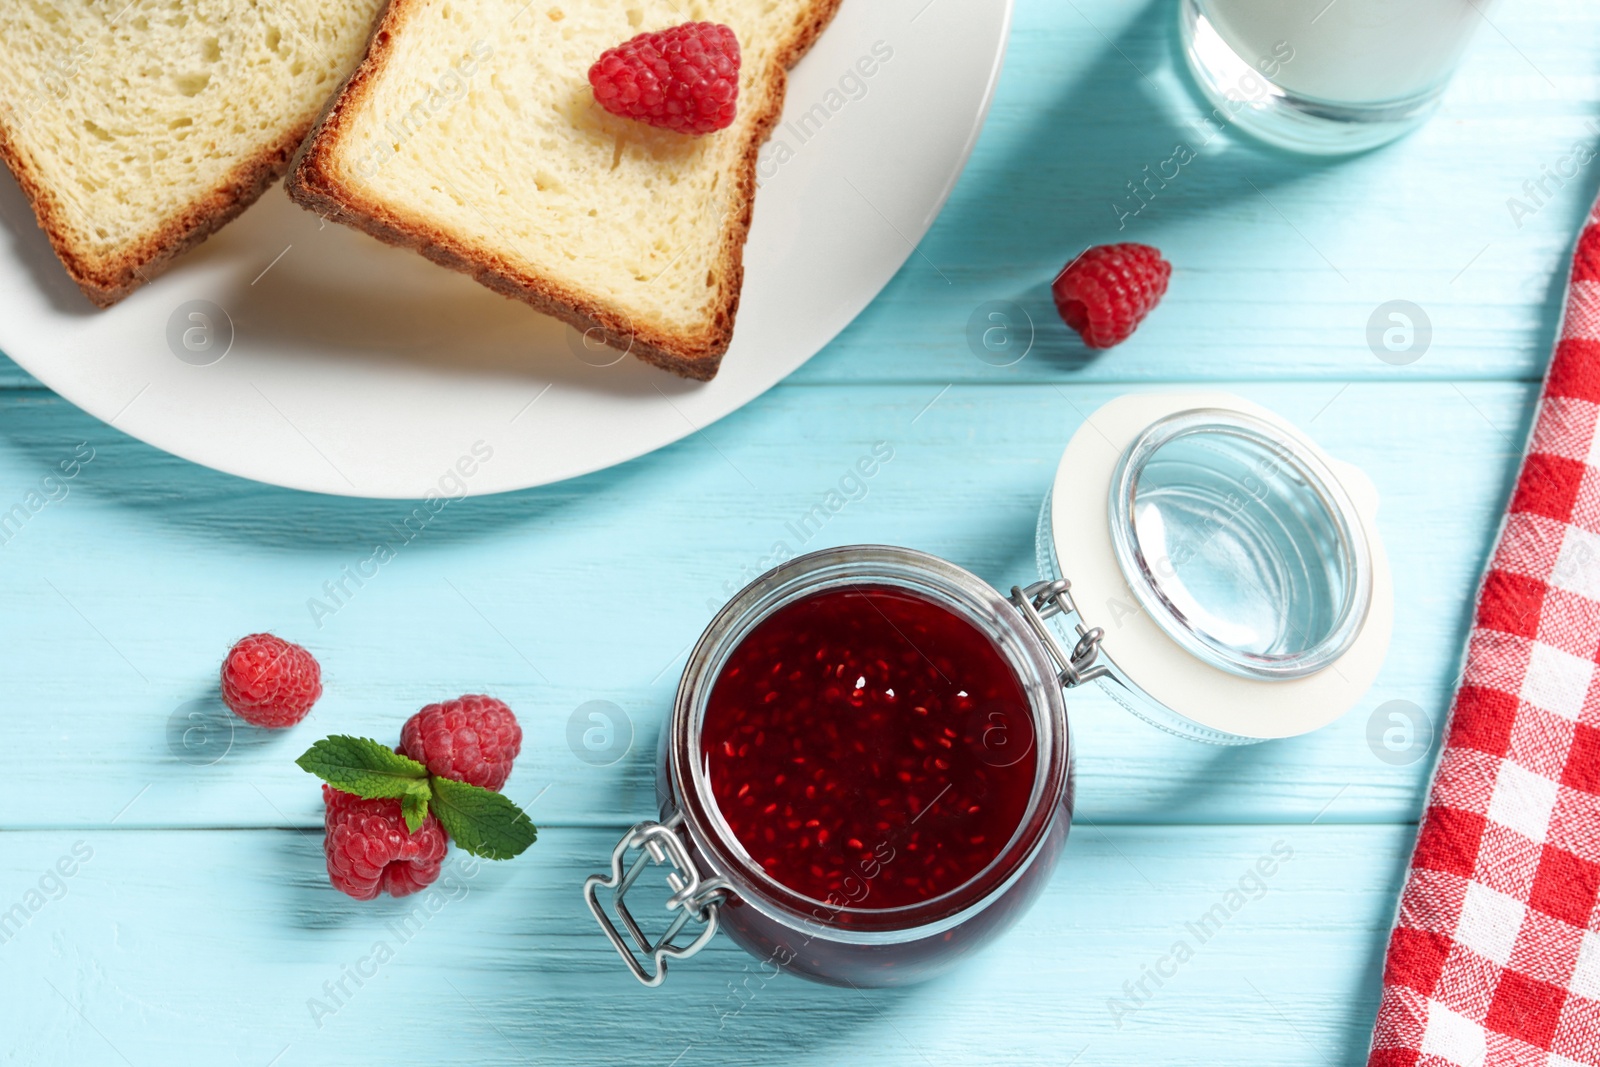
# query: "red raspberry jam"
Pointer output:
{"type": "Point", "coordinates": [869, 748]}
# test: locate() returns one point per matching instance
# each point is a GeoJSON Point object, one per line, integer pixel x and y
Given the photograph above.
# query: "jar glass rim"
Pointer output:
{"type": "Point", "coordinates": [951, 587]}
{"type": "Point", "coordinates": [1334, 510]}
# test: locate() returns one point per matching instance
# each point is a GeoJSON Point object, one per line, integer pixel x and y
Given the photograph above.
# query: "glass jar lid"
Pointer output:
{"type": "Point", "coordinates": [1240, 544]}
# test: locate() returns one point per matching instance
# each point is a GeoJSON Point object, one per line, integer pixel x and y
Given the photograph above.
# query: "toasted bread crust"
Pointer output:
{"type": "Point", "coordinates": [313, 185]}
{"type": "Point", "coordinates": [107, 279]}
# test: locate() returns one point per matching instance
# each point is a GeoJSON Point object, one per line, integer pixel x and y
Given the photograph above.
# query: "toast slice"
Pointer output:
{"type": "Point", "coordinates": [139, 128]}
{"type": "Point", "coordinates": [470, 134]}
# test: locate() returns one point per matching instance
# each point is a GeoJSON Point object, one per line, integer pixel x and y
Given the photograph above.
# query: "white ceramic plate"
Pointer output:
{"type": "Point", "coordinates": [353, 368]}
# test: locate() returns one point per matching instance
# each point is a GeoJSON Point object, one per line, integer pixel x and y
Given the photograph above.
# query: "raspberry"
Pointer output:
{"type": "Point", "coordinates": [473, 739]}
{"type": "Point", "coordinates": [269, 682]}
{"type": "Point", "coordinates": [1105, 293]}
{"type": "Point", "coordinates": [685, 78]}
{"type": "Point", "coordinates": [370, 850]}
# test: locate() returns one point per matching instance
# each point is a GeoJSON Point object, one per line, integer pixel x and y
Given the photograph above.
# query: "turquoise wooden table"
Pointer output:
{"type": "Point", "coordinates": [196, 925]}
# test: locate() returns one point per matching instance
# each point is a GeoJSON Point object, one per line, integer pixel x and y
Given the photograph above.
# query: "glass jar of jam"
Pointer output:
{"type": "Point", "coordinates": [867, 774]}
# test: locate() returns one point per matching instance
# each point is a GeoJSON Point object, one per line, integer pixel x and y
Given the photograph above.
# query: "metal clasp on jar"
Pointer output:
{"type": "Point", "coordinates": [694, 899]}
{"type": "Point", "coordinates": [1044, 600]}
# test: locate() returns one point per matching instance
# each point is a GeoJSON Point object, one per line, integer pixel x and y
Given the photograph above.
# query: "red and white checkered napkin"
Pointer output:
{"type": "Point", "coordinates": [1495, 955]}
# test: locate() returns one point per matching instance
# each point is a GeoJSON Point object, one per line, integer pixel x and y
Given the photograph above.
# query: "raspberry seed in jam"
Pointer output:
{"type": "Point", "coordinates": [869, 748]}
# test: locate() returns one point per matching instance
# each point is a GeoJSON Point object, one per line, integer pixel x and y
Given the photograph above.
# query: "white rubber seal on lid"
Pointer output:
{"type": "Point", "coordinates": [1143, 650]}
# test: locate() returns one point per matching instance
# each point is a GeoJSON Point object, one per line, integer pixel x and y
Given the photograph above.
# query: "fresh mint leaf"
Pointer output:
{"type": "Point", "coordinates": [481, 821]}
{"type": "Point", "coordinates": [366, 768]}
{"type": "Point", "coordinates": [414, 808]}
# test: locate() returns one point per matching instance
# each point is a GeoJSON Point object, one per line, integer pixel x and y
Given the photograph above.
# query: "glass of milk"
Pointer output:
{"type": "Point", "coordinates": [1325, 76]}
